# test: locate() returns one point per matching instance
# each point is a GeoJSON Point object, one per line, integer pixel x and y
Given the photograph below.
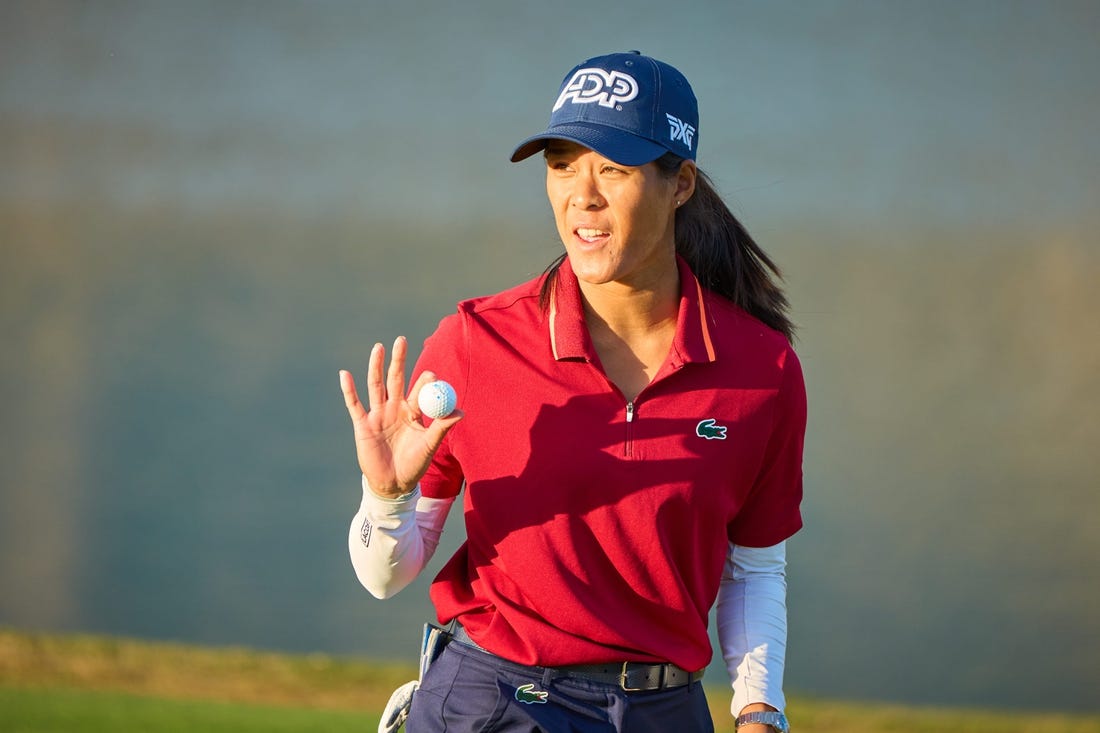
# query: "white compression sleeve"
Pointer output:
{"type": "Point", "coordinates": [752, 623]}
{"type": "Point", "coordinates": [391, 540]}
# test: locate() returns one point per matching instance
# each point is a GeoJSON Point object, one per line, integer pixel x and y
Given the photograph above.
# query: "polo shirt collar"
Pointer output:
{"type": "Point", "coordinates": [569, 334]}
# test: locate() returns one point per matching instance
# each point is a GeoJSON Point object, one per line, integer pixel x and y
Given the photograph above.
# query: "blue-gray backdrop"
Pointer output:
{"type": "Point", "coordinates": [208, 208]}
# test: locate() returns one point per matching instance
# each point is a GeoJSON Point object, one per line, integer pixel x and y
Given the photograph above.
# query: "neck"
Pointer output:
{"type": "Point", "coordinates": [632, 329]}
{"type": "Point", "coordinates": [632, 311]}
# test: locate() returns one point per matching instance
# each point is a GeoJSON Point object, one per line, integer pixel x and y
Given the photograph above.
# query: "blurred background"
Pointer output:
{"type": "Point", "coordinates": [208, 208]}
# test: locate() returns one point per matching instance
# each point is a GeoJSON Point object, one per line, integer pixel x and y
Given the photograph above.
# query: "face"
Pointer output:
{"type": "Point", "coordinates": [616, 221]}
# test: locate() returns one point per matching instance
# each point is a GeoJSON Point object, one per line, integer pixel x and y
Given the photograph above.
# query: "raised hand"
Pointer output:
{"type": "Point", "coordinates": [393, 447]}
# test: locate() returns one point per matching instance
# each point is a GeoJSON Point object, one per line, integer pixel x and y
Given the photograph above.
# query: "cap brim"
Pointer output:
{"type": "Point", "coordinates": [616, 145]}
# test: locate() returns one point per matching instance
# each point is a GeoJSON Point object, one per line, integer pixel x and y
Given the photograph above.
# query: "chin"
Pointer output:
{"type": "Point", "coordinates": [591, 273]}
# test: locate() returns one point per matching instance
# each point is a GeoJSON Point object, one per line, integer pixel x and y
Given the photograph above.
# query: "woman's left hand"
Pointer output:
{"type": "Point", "coordinates": [393, 447]}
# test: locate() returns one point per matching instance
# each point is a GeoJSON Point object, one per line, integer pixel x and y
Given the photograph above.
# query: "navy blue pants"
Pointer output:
{"type": "Point", "coordinates": [467, 690]}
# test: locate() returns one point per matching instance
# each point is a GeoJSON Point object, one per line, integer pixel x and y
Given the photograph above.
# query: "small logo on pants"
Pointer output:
{"type": "Point", "coordinates": [529, 695]}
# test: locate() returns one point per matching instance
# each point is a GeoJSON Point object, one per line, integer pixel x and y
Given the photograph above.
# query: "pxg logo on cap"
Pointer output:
{"type": "Point", "coordinates": [680, 130]}
{"type": "Point", "coordinates": [630, 108]}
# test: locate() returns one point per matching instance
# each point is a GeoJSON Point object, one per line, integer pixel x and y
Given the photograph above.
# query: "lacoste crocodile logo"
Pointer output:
{"type": "Point", "coordinates": [710, 429]}
{"type": "Point", "coordinates": [529, 695]}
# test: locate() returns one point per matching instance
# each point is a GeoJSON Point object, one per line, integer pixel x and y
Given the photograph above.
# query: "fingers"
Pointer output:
{"type": "Point", "coordinates": [439, 428]}
{"type": "Point", "coordinates": [395, 378]}
{"type": "Point", "coordinates": [385, 384]}
{"type": "Point", "coordinates": [351, 395]}
{"type": "Point", "coordinates": [376, 388]}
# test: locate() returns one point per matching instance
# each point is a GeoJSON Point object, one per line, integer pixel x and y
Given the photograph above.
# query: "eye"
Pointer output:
{"type": "Point", "coordinates": [611, 170]}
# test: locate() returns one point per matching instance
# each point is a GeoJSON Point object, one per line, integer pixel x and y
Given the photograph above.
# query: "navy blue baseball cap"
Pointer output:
{"type": "Point", "coordinates": [629, 108]}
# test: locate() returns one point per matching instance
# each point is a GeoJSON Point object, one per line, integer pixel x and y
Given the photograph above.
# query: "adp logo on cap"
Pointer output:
{"type": "Point", "coordinates": [605, 88]}
{"type": "Point", "coordinates": [629, 108]}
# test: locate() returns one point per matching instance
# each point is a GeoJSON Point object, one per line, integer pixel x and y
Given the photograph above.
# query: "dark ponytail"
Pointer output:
{"type": "Point", "coordinates": [724, 257]}
{"type": "Point", "coordinates": [720, 252]}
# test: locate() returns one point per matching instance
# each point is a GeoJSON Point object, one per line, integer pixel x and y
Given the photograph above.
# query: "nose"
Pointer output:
{"type": "Point", "coordinates": [586, 192]}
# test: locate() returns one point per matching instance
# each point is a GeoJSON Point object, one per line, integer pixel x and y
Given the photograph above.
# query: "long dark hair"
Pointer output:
{"type": "Point", "coordinates": [720, 252]}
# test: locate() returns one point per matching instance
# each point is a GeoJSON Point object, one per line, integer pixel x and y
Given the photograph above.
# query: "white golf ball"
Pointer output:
{"type": "Point", "coordinates": [437, 399]}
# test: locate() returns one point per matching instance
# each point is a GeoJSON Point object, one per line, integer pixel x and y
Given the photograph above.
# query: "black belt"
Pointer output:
{"type": "Point", "coordinates": [633, 676]}
{"type": "Point", "coordinates": [629, 676]}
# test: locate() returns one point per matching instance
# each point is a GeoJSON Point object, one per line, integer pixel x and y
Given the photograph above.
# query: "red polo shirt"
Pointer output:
{"type": "Point", "coordinates": [597, 529]}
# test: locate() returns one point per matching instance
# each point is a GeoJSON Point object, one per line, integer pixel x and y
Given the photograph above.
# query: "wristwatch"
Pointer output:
{"type": "Point", "coordinates": [778, 721]}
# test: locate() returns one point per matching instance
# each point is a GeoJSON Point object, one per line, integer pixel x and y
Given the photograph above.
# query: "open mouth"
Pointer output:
{"type": "Point", "coordinates": [591, 236]}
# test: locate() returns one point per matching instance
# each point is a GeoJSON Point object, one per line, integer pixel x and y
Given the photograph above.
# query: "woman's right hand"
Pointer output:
{"type": "Point", "coordinates": [393, 447]}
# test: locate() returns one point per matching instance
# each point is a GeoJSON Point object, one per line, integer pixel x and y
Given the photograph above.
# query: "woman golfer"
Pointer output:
{"type": "Point", "coordinates": [630, 444]}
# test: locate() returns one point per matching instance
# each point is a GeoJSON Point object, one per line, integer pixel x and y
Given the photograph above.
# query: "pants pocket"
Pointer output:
{"type": "Point", "coordinates": [456, 696]}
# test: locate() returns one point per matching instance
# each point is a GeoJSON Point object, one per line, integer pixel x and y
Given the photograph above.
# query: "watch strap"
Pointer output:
{"type": "Point", "coordinates": [778, 721]}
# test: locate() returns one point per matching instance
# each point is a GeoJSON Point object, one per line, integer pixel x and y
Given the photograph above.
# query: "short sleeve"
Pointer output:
{"type": "Point", "coordinates": [771, 513]}
{"type": "Point", "coordinates": [444, 353]}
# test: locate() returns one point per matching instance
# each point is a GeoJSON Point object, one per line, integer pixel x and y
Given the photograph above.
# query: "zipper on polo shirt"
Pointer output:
{"type": "Point", "coordinates": [628, 449]}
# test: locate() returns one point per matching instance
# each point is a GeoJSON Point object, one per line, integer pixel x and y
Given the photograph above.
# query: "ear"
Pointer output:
{"type": "Point", "coordinates": [685, 180]}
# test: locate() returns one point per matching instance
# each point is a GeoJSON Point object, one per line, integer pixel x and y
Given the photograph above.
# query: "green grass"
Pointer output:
{"type": "Point", "coordinates": [817, 716]}
{"type": "Point", "coordinates": [87, 683]}
{"type": "Point", "coordinates": [57, 709]}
